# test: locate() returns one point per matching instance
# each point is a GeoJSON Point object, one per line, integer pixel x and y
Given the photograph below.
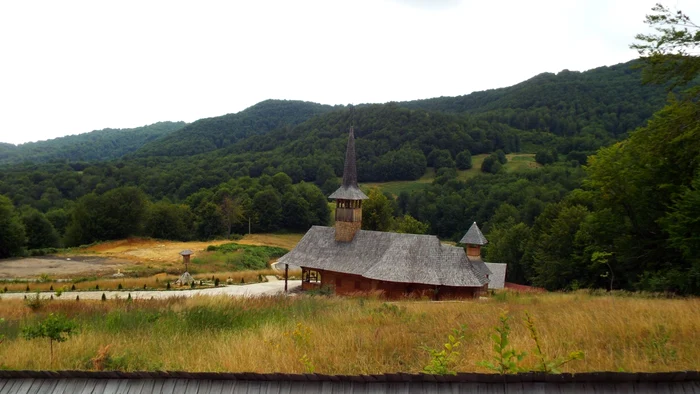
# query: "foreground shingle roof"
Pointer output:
{"type": "Point", "coordinates": [474, 236]}
{"type": "Point", "coordinates": [393, 257]}
{"type": "Point", "coordinates": [498, 275]}
{"type": "Point", "coordinates": [62, 382]}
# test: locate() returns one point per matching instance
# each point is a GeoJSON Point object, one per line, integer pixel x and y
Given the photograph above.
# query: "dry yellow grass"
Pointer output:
{"type": "Point", "coordinates": [360, 335]}
{"type": "Point", "coordinates": [158, 281]}
{"type": "Point", "coordinates": [287, 241]}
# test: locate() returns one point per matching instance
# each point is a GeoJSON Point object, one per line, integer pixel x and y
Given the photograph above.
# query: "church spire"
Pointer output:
{"type": "Point", "coordinates": [348, 198]}
{"type": "Point", "coordinates": [349, 189]}
{"type": "Point", "coordinates": [350, 170]}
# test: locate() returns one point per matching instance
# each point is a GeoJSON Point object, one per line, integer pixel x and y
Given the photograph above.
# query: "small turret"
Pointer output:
{"type": "Point", "coordinates": [474, 240]}
{"type": "Point", "coordinates": [348, 198]}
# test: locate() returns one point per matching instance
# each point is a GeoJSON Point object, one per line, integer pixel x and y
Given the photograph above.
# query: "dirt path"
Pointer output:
{"type": "Point", "coordinates": [252, 290]}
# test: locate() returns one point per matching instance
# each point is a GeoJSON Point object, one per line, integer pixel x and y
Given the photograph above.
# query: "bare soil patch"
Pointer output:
{"type": "Point", "coordinates": [59, 267]}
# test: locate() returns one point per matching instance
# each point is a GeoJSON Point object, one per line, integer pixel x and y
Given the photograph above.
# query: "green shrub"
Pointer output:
{"type": "Point", "coordinates": [441, 361]}
{"type": "Point", "coordinates": [505, 360]}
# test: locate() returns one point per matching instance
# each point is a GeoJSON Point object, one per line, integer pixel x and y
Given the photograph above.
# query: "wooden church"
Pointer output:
{"type": "Point", "coordinates": [350, 260]}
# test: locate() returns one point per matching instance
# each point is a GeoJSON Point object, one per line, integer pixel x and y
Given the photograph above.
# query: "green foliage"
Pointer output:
{"type": "Point", "coordinates": [243, 257]}
{"type": "Point", "coordinates": [546, 156]}
{"type": "Point", "coordinates": [209, 134]}
{"type": "Point", "coordinates": [544, 363]}
{"type": "Point", "coordinates": [165, 220]}
{"type": "Point", "coordinates": [376, 212]}
{"type": "Point", "coordinates": [54, 327]}
{"type": "Point", "coordinates": [116, 214]}
{"type": "Point", "coordinates": [441, 360]}
{"type": "Point", "coordinates": [464, 160]}
{"type": "Point", "coordinates": [35, 303]}
{"type": "Point", "coordinates": [12, 232]}
{"type": "Point", "coordinates": [98, 145]}
{"type": "Point", "coordinates": [669, 56]}
{"type": "Point", "coordinates": [505, 360]}
{"type": "Point", "coordinates": [268, 205]}
{"type": "Point", "coordinates": [408, 225]}
{"type": "Point", "coordinates": [39, 230]}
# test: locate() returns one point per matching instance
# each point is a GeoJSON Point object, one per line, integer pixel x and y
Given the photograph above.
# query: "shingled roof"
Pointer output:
{"type": "Point", "coordinates": [392, 257]}
{"type": "Point", "coordinates": [474, 236]}
{"type": "Point", "coordinates": [498, 275]}
{"type": "Point", "coordinates": [349, 189]}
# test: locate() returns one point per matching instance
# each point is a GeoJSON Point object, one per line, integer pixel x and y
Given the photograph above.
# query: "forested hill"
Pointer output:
{"type": "Point", "coordinates": [209, 134]}
{"type": "Point", "coordinates": [605, 102]}
{"type": "Point", "coordinates": [98, 145]}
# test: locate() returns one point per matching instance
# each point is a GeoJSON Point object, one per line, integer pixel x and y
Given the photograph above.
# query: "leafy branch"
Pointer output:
{"type": "Point", "coordinates": [442, 360]}
{"type": "Point", "coordinates": [506, 360]}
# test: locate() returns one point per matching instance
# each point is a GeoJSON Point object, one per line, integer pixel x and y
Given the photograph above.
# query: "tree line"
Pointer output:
{"type": "Point", "coordinates": [265, 204]}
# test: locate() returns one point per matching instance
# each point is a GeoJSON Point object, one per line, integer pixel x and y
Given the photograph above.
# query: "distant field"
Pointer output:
{"type": "Point", "coordinates": [516, 162]}
{"type": "Point", "coordinates": [145, 262]}
{"type": "Point", "coordinates": [301, 334]}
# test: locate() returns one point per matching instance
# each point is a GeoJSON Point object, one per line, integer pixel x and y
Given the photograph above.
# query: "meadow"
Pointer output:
{"type": "Point", "coordinates": [355, 335]}
{"type": "Point", "coordinates": [516, 162]}
{"type": "Point", "coordinates": [243, 261]}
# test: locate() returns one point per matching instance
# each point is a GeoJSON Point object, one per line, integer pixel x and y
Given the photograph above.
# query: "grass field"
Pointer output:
{"type": "Point", "coordinates": [516, 162]}
{"type": "Point", "coordinates": [356, 334]}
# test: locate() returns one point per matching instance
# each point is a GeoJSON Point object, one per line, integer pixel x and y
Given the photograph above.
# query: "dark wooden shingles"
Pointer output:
{"type": "Point", "coordinates": [8, 386]}
{"type": "Point", "coordinates": [23, 386]}
{"type": "Point", "coordinates": [253, 387]}
{"type": "Point", "coordinates": [89, 386]}
{"type": "Point", "coordinates": [168, 386]}
{"type": "Point", "coordinates": [397, 388]}
{"type": "Point", "coordinates": [217, 386]}
{"type": "Point", "coordinates": [111, 386]}
{"type": "Point", "coordinates": [204, 387]}
{"type": "Point", "coordinates": [271, 387]}
{"type": "Point", "coordinates": [60, 386]}
{"type": "Point", "coordinates": [180, 386]}
{"type": "Point", "coordinates": [135, 386]}
{"type": "Point", "coordinates": [147, 387]}
{"type": "Point", "coordinates": [691, 387]}
{"type": "Point", "coordinates": [47, 386]}
{"type": "Point", "coordinates": [285, 387]}
{"type": "Point", "coordinates": [158, 386]}
{"type": "Point", "coordinates": [35, 386]}
{"type": "Point", "coordinates": [230, 387]}
{"type": "Point", "coordinates": [100, 386]}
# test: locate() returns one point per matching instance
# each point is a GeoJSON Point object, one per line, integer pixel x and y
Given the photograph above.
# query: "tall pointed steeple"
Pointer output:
{"type": "Point", "coordinates": [349, 189]}
{"type": "Point", "coordinates": [348, 197]}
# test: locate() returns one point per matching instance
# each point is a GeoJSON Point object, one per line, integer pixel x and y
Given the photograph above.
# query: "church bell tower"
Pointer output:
{"type": "Point", "coordinates": [348, 198]}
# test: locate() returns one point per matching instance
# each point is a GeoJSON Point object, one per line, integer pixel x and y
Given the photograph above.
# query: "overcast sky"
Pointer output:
{"type": "Point", "coordinates": [69, 67]}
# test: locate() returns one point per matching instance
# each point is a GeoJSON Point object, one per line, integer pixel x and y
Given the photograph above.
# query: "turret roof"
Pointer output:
{"type": "Point", "coordinates": [474, 236]}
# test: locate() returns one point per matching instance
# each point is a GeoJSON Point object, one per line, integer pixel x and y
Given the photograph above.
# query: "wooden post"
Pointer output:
{"type": "Point", "coordinates": [286, 275]}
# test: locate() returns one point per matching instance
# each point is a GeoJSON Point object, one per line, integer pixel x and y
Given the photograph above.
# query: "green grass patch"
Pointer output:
{"type": "Point", "coordinates": [237, 257]}
{"type": "Point", "coordinates": [516, 162]}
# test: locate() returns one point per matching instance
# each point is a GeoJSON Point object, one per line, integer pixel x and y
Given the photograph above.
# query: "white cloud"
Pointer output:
{"type": "Point", "coordinates": [72, 67]}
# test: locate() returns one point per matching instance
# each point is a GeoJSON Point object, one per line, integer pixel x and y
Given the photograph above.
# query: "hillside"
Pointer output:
{"type": "Point", "coordinates": [209, 134]}
{"type": "Point", "coordinates": [586, 108]}
{"type": "Point", "coordinates": [394, 143]}
{"type": "Point", "coordinates": [98, 145]}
